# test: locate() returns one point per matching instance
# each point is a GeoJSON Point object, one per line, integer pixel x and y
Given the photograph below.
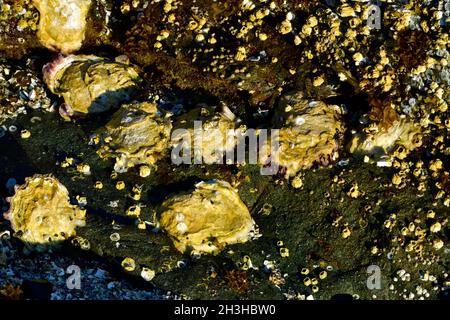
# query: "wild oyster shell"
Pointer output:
{"type": "Point", "coordinates": [400, 138]}
{"type": "Point", "coordinates": [62, 24]}
{"type": "Point", "coordinates": [40, 211]}
{"type": "Point", "coordinates": [138, 133]}
{"type": "Point", "coordinates": [207, 219]}
{"type": "Point", "coordinates": [309, 133]}
{"type": "Point", "coordinates": [206, 130]}
{"type": "Point", "coordinates": [90, 84]}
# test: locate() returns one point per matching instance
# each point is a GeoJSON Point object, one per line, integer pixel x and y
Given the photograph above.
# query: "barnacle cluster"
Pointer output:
{"type": "Point", "coordinates": [40, 211]}
{"type": "Point", "coordinates": [414, 241]}
{"type": "Point", "coordinates": [393, 74]}
{"type": "Point", "coordinates": [207, 219]}
{"type": "Point", "coordinates": [20, 91]}
{"type": "Point", "coordinates": [18, 25]}
{"type": "Point", "coordinates": [237, 280]}
{"type": "Point", "coordinates": [23, 11]}
{"type": "Point", "coordinates": [312, 277]}
{"type": "Point", "coordinates": [138, 134]}
{"type": "Point", "coordinates": [90, 84]}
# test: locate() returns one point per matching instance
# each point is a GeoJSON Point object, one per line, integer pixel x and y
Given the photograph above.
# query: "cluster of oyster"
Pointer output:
{"type": "Point", "coordinates": [310, 131]}
{"type": "Point", "coordinates": [138, 134]}
{"type": "Point", "coordinates": [207, 219]}
{"type": "Point", "coordinates": [40, 212]}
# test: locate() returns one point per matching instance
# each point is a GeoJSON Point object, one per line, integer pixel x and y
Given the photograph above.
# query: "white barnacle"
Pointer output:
{"type": "Point", "coordinates": [182, 227]}
{"type": "Point", "coordinates": [179, 216]}
{"type": "Point", "coordinates": [299, 121]}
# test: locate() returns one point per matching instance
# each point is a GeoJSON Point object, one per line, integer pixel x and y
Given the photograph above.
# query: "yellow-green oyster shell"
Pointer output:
{"type": "Point", "coordinates": [138, 133]}
{"type": "Point", "coordinates": [399, 139]}
{"type": "Point", "coordinates": [207, 219]}
{"type": "Point", "coordinates": [62, 24]}
{"type": "Point", "coordinates": [213, 129]}
{"type": "Point", "coordinates": [90, 84]}
{"type": "Point", "coordinates": [41, 213]}
{"type": "Point", "coordinates": [309, 133]}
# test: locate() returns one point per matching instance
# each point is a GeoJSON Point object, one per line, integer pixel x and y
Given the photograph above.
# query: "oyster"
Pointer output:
{"type": "Point", "coordinates": [309, 134]}
{"type": "Point", "coordinates": [207, 219]}
{"type": "Point", "coordinates": [41, 213]}
{"type": "Point", "coordinates": [62, 24]}
{"type": "Point", "coordinates": [399, 139]}
{"type": "Point", "coordinates": [90, 84]}
{"type": "Point", "coordinates": [212, 133]}
{"type": "Point", "coordinates": [138, 133]}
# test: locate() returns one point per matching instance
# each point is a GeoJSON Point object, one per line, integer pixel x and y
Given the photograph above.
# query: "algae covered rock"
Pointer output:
{"type": "Point", "coordinates": [41, 213]}
{"type": "Point", "coordinates": [90, 84]}
{"type": "Point", "coordinates": [138, 133]}
{"type": "Point", "coordinates": [309, 134]}
{"type": "Point", "coordinates": [62, 24]}
{"type": "Point", "coordinates": [207, 219]}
